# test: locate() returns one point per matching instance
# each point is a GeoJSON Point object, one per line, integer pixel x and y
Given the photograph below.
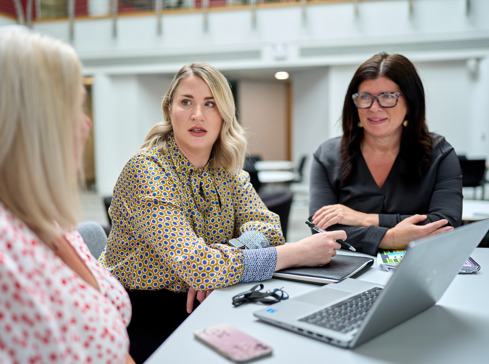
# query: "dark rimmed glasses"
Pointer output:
{"type": "Point", "coordinates": [364, 100]}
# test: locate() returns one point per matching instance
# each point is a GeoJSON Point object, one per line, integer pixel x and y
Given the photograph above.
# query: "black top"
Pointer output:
{"type": "Point", "coordinates": [438, 193]}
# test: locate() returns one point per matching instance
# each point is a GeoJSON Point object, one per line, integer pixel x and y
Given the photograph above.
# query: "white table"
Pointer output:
{"type": "Point", "coordinates": [474, 210]}
{"type": "Point", "coordinates": [455, 330]}
{"type": "Point", "coordinates": [274, 165]}
{"type": "Point", "coordinates": [276, 176]}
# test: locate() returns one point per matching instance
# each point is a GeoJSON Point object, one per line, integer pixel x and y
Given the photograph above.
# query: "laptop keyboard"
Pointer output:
{"type": "Point", "coordinates": [346, 315]}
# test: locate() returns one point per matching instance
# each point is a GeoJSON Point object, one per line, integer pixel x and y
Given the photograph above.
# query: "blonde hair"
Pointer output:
{"type": "Point", "coordinates": [40, 109]}
{"type": "Point", "coordinates": [229, 150]}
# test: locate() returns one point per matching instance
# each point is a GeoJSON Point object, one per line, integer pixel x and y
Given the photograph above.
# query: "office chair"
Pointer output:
{"type": "Point", "coordinates": [250, 160]}
{"type": "Point", "coordinates": [300, 169]}
{"type": "Point", "coordinates": [94, 236]}
{"type": "Point", "coordinates": [279, 202]}
{"type": "Point", "coordinates": [473, 173]}
{"type": "Point", "coordinates": [249, 166]}
{"type": "Point", "coordinates": [107, 202]}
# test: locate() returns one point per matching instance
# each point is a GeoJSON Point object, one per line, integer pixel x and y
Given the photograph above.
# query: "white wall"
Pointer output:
{"type": "Point", "coordinates": [340, 77]}
{"type": "Point", "coordinates": [124, 108]}
{"type": "Point", "coordinates": [5, 21]}
{"type": "Point", "coordinates": [311, 102]}
{"type": "Point", "coordinates": [448, 102]}
{"type": "Point", "coordinates": [455, 105]}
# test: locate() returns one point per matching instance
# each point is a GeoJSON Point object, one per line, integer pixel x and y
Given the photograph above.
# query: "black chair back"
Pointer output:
{"type": "Point", "coordinates": [473, 172]}
{"type": "Point", "coordinates": [249, 166]}
{"type": "Point", "coordinates": [300, 169]}
{"type": "Point", "coordinates": [107, 202]}
{"type": "Point", "coordinates": [280, 202]}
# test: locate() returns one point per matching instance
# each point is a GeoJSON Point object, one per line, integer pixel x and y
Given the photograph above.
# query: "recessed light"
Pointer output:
{"type": "Point", "coordinates": [282, 75]}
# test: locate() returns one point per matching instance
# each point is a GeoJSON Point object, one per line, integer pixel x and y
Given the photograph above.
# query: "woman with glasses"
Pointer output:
{"type": "Point", "coordinates": [387, 180]}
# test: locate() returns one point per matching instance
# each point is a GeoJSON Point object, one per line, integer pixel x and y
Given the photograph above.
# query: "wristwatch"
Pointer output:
{"type": "Point", "coordinates": [236, 243]}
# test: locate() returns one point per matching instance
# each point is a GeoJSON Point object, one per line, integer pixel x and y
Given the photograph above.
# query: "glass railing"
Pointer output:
{"type": "Point", "coordinates": [31, 10]}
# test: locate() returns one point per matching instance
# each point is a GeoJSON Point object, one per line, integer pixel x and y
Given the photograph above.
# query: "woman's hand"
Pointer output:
{"type": "Point", "coordinates": [400, 235]}
{"type": "Point", "coordinates": [314, 250]}
{"type": "Point", "coordinates": [191, 294]}
{"type": "Point", "coordinates": [330, 215]}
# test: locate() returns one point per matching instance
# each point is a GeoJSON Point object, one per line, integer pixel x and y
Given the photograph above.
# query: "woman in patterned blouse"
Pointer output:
{"type": "Point", "coordinates": [180, 200]}
{"type": "Point", "coordinates": [57, 304]}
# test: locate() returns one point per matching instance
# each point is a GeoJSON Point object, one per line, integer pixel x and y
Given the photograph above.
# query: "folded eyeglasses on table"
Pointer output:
{"type": "Point", "coordinates": [256, 295]}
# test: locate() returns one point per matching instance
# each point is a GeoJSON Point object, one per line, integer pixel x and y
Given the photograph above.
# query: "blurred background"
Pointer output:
{"type": "Point", "coordinates": [130, 50]}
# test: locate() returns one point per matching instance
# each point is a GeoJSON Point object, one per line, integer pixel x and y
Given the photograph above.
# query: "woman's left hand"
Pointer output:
{"type": "Point", "coordinates": [408, 230]}
{"type": "Point", "coordinates": [330, 215]}
{"type": "Point", "coordinates": [191, 294]}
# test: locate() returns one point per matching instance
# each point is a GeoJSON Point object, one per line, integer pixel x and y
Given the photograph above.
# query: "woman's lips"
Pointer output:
{"type": "Point", "coordinates": [197, 131]}
{"type": "Point", "coordinates": [376, 120]}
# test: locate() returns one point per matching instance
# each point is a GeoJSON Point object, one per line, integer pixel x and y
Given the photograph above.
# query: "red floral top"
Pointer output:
{"type": "Point", "coordinates": [48, 314]}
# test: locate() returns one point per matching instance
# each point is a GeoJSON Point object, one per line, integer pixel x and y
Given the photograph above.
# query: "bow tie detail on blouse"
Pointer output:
{"type": "Point", "coordinates": [204, 191]}
{"type": "Point", "coordinates": [199, 182]}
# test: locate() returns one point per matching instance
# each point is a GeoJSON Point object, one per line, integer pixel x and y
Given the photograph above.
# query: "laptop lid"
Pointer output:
{"type": "Point", "coordinates": [421, 280]}
{"type": "Point", "coordinates": [417, 284]}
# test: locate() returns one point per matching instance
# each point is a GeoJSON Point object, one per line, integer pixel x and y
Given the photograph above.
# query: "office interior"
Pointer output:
{"type": "Point", "coordinates": [130, 53]}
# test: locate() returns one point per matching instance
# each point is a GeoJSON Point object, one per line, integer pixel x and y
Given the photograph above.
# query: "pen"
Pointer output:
{"type": "Point", "coordinates": [316, 228]}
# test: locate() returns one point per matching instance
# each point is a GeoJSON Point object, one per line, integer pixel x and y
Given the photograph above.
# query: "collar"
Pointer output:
{"type": "Point", "coordinates": [181, 162]}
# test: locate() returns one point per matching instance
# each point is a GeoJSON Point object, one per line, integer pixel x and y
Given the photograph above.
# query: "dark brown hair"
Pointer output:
{"type": "Point", "coordinates": [416, 143]}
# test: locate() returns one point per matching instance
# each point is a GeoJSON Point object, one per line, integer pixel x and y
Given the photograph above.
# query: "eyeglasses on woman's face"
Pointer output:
{"type": "Point", "coordinates": [364, 100]}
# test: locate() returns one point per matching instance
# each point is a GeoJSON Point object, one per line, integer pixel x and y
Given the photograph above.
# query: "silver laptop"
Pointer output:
{"type": "Point", "coordinates": [420, 280]}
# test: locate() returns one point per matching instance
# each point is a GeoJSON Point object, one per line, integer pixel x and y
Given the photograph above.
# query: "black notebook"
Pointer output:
{"type": "Point", "coordinates": [341, 267]}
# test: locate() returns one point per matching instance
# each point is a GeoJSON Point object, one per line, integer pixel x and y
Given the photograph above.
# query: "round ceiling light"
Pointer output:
{"type": "Point", "coordinates": [282, 75]}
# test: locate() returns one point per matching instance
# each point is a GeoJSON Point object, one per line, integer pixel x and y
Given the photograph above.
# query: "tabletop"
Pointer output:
{"type": "Point", "coordinates": [455, 330]}
{"type": "Point", "coordinates": [474, 210]}
{"type": "Point", "coordinates": [276, 176]}
{"type": "Point", "coordinates": [274, 165]}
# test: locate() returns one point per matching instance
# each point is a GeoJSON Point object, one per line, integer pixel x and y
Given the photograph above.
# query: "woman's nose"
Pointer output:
{"type": "Point", "coordinates": [197, 113]}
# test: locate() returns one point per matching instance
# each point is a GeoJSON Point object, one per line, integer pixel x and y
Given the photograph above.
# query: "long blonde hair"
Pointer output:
{"type": "Point", "coordinates": [229, 150]}
{"type": "Point", "coordinates": [40, 108]}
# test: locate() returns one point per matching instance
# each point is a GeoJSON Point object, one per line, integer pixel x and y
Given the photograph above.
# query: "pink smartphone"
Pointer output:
{"type": "Point", "coordinates": [232, 343]}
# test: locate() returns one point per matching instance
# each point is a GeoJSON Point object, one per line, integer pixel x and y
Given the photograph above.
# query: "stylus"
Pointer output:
{"type": "Point", "coordinates": [316, 228]}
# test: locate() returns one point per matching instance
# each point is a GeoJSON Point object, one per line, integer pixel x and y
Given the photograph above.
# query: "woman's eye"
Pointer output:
{"type": "Point", "coordinates": [185, 102]}
{"type": "Point", "coordinates": [209, 104]}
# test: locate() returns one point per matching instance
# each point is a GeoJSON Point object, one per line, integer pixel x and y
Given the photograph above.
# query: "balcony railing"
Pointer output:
{"type": "Point", "coordinates": [29, 11]}
{"type": "Point", "coordinates": [33, 10]}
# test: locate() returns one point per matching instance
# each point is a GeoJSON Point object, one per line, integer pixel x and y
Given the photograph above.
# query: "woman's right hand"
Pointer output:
{"type": "Point", "coordinates": [192, 294]}
{"type": "Point", "coordinates": [314, 250]}
{"type": "Point", "coordinates": [407, 230]}
{"type": "Point", "coordinates": [330, 215]}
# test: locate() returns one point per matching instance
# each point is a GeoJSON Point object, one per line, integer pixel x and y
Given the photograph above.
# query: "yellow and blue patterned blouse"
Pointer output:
{"type": "Point", "coordinates": [170, 223]}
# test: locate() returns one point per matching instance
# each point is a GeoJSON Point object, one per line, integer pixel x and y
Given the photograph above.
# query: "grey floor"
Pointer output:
{"type": "Point", "coordinates": [94, 210]}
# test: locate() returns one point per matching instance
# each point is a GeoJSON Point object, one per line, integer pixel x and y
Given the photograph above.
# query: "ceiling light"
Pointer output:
{"type": "Point", "coordinates": [282, 75]}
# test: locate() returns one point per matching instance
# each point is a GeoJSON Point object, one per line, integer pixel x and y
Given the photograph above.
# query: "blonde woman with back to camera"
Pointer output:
{"type": "Point", "coordinates": [57, 304]}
